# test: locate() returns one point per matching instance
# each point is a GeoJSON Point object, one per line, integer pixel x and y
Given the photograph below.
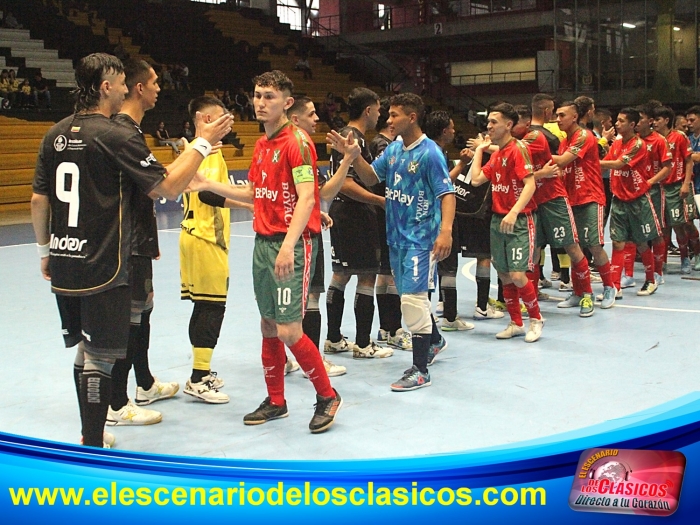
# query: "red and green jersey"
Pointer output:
{"type": "Point", "coordinates": [657, 149]}
{"type": "Point", "coordinates": [629, 182]}
{"type": "Point", "coordinates": [506, 170]}
{"type": "Point", "coordinates": [679, 146]}
{"type": "Point", "coordinates": [279, 163]}
{"type": "Point", "coordinates": [549, 188]}
{"type": "Point", "coordinates": [582, 176]}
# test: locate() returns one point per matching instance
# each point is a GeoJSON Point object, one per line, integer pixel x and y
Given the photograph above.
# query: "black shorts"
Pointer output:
{"type": "Point", "coordinates": [475, 236]}
{"type": "Point", "coordinates": [141, 284]}
{"type": "Point", "coordinates": [101, 321]}
{"type": "Point", "coordinates": [384, 261]}
{"type": "Point", "coordinates": [318, 284]}
{"type": "Point", "coordinates": [354, 238]}
{"type": "Point", "coordinates": [448, 266]}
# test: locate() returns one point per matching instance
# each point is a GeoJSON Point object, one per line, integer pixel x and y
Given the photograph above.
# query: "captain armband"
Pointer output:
{"type": "Point", "coordinates": [304, 173]}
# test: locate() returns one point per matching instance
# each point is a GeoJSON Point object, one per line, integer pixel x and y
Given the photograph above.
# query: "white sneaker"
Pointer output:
{"type": "Point", "coordinates": [331, 369]}
{"type": "Point", "coordinates": [545, 283]}
{"type": "Point", "coordinates": [214, 379]}
{"type": "Point", "coordinates": [440, 309]}
{"type": "Point", "coordinates": [648, 288]}
{"type": "Point", "coordinates": [108, 440]}
{"type": "Point", "coordinates": [659, 279]}
{"type": "Point", "coordinates": [335, 348]}
{"type": "Point", "coordinates": [370, 351]}
{"type": "Point", "coordinates": [535, 330]}
{"type": "Point", "coordinates": [627, 282]}
{"type": "Point", "coordinates": [456, 325]}
{"type": "Point", "coordinates": [601, 296]}
{"type": "Point", "coordinates": [566, 287]}
{"type": "Point", "coordinates": [206, 392]}
{"type": "Point", "coordinates": [512, 330]}
{"type": "Point", "coordinates": [596, 278]}
{"type": "Point", "coordinates": [403, 340]}
{"type": "Point", "coordinates": [157, 392]}
{"type": "Point", "coordinates": [290, 366]}
{"type": "Point", "coordinates": [554, 276]}
{"type": "Point", "coordinates": [130, 414]}
{"type": "Point", "coordinates": [489, 313]}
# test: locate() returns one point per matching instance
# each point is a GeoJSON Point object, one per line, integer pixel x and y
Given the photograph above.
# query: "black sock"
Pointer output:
{"type": "Point", "coordinates": [564, 276]}
{"type": "Point", "coordinates": [449, 303]}
{"type": "Point", "coordinates": [335, 304]}
{"type": "Point", "coordinates": [197, 375]}
{"type": "Point", "coordinates": [120, 371]}
{"type": "Point", "coordinates": [77, 374]}
{"type": "Point", "coordinates": [383, 307]}
{"type": "Point", "coordinates": [364, 315]}
{"type": "Point", "coordinates": [312, 325]}
{"type": "Point", "coordinates": [553, 252]}
{"type": "Point", "coordinates": [501, 299]}
{"type": "Point", "coordinates": [435, 336]}
{"type": "Point", "coordinates": [421, 347]}
{"type": "Point", "coordinates": [394, 314]}
{"type": "Point", "coordinates": [541, 272]}
{"type": "Point", "coordinates": [144, 378]}
{"type": "Point", "coordinates": [483, 285]}
{"type": "Point", "coordinates": [95, 393]}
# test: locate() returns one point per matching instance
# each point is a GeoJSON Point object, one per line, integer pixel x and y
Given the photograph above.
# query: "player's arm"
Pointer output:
{"type": "Point", "coordinates": [239, 192]}
{"type": "Point", "coordinates": [662, 174]}
{"type": "Point", "coordinates": [284, 264]}
{"type": "Point", "coordinates": [217, 201]}
{"type": "Point", "coordinates": [41, 215]}
{"type": "Point", "coordinates": [612, 164]}
{"type": "Point", "coordinates": [685, 187]}
{"type": "Point", "coordinates": [363, 169]}
{"type": "Point", "coordinates": [356, 192]}
{"type": "Point", "coordinates": [478, 177]}
{"type": "Point", "coordinates": [695, 157]}
{"type": "Point", "coordinates": [564, 159]}
{"type": "Point", "coordinates": [443, 243]}
{"type": "Point", "coordinates": [180, 175]}
{"type": "Point", "coordinates": [465, 159]}
{"type": "Point", "coordinates": [508, 222]}
{"type": "Point", "coordinates": [331, 188]}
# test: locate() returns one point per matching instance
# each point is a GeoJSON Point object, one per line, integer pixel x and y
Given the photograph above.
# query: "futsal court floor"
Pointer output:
{"type": "Point", "coordinates": [485, 393]}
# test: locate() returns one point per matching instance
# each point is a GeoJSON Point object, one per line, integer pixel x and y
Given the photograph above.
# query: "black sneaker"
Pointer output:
{"type": "Point", "coordinates": [266, 412]}
{"type": "Point", "coordinates": [324, 414]}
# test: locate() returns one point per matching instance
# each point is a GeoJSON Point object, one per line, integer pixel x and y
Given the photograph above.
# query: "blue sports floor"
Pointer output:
{"type": "Point", "coordinates": [641, 353]}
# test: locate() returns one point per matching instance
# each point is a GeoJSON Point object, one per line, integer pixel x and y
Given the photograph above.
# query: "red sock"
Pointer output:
{"type": "Point", "coordinates": [648, 262]}
{"type": "Point", "coordinates": [682, 241]}
{"type": "Point", "coordinates": [606, 274]}
{"type": "Point", "coordinates": [534, 277]}
{"type": "Point", "coordinates": [311, 362]}
{"type": "Point", "coordinates": [582, 274]}
{"type": "Point", "coordinates": [273, 360]}
{"type": "Point", "coordinates": [659, 251]}
{"type": "Point", "coordinates": [512, 297]}
{"type": "Point", "coordinates": [529, 296]}
{"type": "Point", "coordinates": [618, 260]}
{"type": "Point", "coordinates": [630, 254]}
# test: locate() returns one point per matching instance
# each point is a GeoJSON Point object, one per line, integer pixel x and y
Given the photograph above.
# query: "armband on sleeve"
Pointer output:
{"type": "Point", "coordinates": [304, 173]}
{"type": "Point", "coordinates": [212, 199]}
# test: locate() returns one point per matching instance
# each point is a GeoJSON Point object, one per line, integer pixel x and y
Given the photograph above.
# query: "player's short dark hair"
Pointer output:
{"type": "Point", "coordinates": [383, 114]}
{"type": "Point", "coordinates": [694, 110]}
{"type": "Point", "coordinates": [507, 110]}
{"type": "Point", "coordinates": [435, 123]}
{"type": "Point", "coordinates": [649, 107]}
{"type": "Point", "coordinates": [602, 113]}
{"type": "Point", "coordinates": [631, 113]}
{"type": "Point", "coordinates": [137, 72]}
{"type": "Point", "coordinates": [665, 112]}
{"type": "Point", "coordinates": [523, 111]}
{"type": "Point", "coordinates": [358, 100]}
{"type": "Point", "coordinates": [275, 79]}
{"type": "Point", "coordinates": [539, 102]}
{"type": "Point", "coordinates": [584, 104]}
{"type": "Point", "coordinates": [199, 103]}
{"type": "Point", "coordinates": [299, 105]}
{"type": "Point", "coordinates": [410, 102]}
{"type": "Point", "coordinates": [575, 105]}
{"type": "Point", "coordinates": [89, 74]}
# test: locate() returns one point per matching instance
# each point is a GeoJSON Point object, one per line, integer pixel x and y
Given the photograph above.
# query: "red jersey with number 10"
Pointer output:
{"type": "Point", "coordinates": [279, 162]}
{"type": "Point", "coordinates": [506, 170]}
{"type": "Point", "coordinates": [547, 188]}
{"type": "Point", "coordinates": [630, 182]}
{"type": "Point", "coordinates": [582, 176]}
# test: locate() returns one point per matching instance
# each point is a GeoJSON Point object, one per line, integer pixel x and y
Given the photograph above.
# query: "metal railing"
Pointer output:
{"type": "Point", "coordinates": [496, 78]}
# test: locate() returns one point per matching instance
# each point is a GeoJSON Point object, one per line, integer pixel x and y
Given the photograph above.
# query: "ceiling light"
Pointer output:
{"type": "Point", "coordinates": [628, 25]}
{"type": "Point", "coordinates": [676, 28]}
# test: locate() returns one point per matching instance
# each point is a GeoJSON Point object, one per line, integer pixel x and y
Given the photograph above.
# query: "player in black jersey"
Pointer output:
{"type": "Point", "coordinates": [87, 170]}
{"type": "Point", "coordinates": [354, 239]}
{"type": "Point", "coordinates": [142, 82]}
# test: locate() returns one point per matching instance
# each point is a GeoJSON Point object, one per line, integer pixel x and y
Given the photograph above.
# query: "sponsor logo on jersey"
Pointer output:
{"type": "Point", "coordinates": [397, 179]}
{"type": "Point", "coordinates": [399, 196]}
{"type": "Point", "coordinates": [413, 166]}
{"type": "Point", "coordinates": [148, 160]}
{"type": "Point", "coordinates": [289, 201]}
{"type": "Point", "coordinates": [264, 193]}
{"type": "Point", "coordinates": [86, 335]}
{"type": "Point", "coordinates": [71, 244]}
{"type": "Point", "coordinates": [498, 177]}
{"type": "Point", "coordinates": [264, 176]}
{"type": "Point", "coordinates": [60, 143]}
{"type": "Point", "coordinates": [501, 188]}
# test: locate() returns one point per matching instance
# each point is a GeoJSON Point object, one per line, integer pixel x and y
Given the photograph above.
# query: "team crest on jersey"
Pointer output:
{"type": "Point", "coordinates": [60, 143]}
{"type": "Point", "coordinates": [397, 179]}
{"type": "Point", "coordinates": [392, 160]}
{"type": "Point", "coordinates": [648, 147]}
{"type": "Point", "coordinates": [671, 146]}
{"type": "Point", "coordinates": [412, 166]}
{"type": "Point", "coordinates": [504, 162]}
{"type": "Point", "coordinates": [276, 156]}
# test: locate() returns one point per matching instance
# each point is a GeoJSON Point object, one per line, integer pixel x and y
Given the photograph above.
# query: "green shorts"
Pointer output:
{"type": "Point", "coordinates": [555, 224]}
{"type": "Point", "coordinates": [634, 221]}
{"type": "Point", "coordinates": [513, 252]}
{"type": "Point", "coordinates": [590, 224]}
{"type": "Point", "coordinates": [659, 201]}
{"type": "Point", "coordinates": [283, 301]}
{"type": "Point", "coordinates": [678, 211]}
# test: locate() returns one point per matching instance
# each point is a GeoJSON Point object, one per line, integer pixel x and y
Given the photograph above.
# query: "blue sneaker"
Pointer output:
{"type": "Point", "coordinates": [609, 296]}
{"type": "Point", "coordinates": [436, 349]}
{"type": "Point", "coordinates": [412, 379]}
{"type": "Point", "coordinates": [627, 282]}
{"type": "Point", "coordinates": [685, 266]}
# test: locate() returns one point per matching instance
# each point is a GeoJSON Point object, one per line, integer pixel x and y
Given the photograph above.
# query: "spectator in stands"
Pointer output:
{"type": "Point", "coordinates": [241, 103]}
{"type": "Point", "coordinates": [25, 94]}
{"type": "Point", "coordinates": [14, 87]}
{"type": "Point", "coordinates": [5, 89]}
{"type": "Point", "coordinates": [166, 77]}
{"type": "Point", "coordinates": [337, 122]}
{"type": "Point", "coordinates": [304, 66]}
{"type": "Point", "coordinates": [227, 100]}
{"type": "Point", "coordinates": [164, 139]}
{"type": "Point", "coordinates": [40, 89]}
{"type": "Point", "coordinates": [11, 22]}
{"type": "Point", "coordinates": [184, 77]}
{"type": "Point", "coordinates": [328, 109]}
{"type": "Point", "coordinates": [187, 132]}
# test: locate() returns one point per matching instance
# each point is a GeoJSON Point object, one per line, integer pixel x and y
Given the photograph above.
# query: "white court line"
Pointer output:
{"type": "Point", "coordinates": [467, 273]}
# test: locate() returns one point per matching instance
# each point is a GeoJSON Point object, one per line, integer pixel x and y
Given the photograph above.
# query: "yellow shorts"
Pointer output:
{"type": "Point", "coordinates": [203, 270]}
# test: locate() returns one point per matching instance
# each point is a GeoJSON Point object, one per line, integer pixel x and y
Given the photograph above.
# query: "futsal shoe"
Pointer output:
{"type": "Point", "coordinates": [440, 309]}
{"type": "Point", "coordinates": [343, 345]}
{"type": "Point", "coordinates": [608, 297]}
{"type": "Point", "coordinates": [205, 391]}
{"type": "Point", "coordinates": [544, 283]}
{"type": "Point", "coordinates": [290, 366]}
{"type": "Point", "coordinates": [570, 302]}
{"type": "Point", "coordinates": [554, 276]}
{"type": "Point", "coordinates": [402, 340]}
{"type": "Point", "coordinates": [499, 306]}
{"type": "Point", "coordinates": [534, 332]}
{"type": "Point", "coordinates": [412, 379]}
{"type": "Point", "coordinates": [325, 410]}
{"type": "Point", "coordinates": [489, 313]}
{"type": "Point", "coordinates": [108, 440]}
{"type": "Point", "coordinates": [696, 266]}
{"type": "Point", "coordinates": [371, 351]}
{"type": "Point", "coordinates": [436, 349]}
{"type": "Point", "coordinates": [648, 288]}
{"type": "Point", "coordinates": [157, 392]}
{"type": "Point", "coordinates": [586, 304]}
{"type": "Point", "coordinates": [131, 414]}
{"type": "Point", "coordinates": [512, 330]}
{"type": "Point", "coordinates": [659, 279]}
{"type": "Point", "coordinates": [627, 281]}
{"type": "Point", "coordinates": [214, 379]}
{"type": "Point", "coordinates": [456, 325]}
{"type": "Point", "coordinates": [566, 287]}
{"type": "Point", "coordinates": [331, 369]}
{"type": "Point", "coordinates": [685, 266]}
{"type": "Point", "coordinates": [265, 412]}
